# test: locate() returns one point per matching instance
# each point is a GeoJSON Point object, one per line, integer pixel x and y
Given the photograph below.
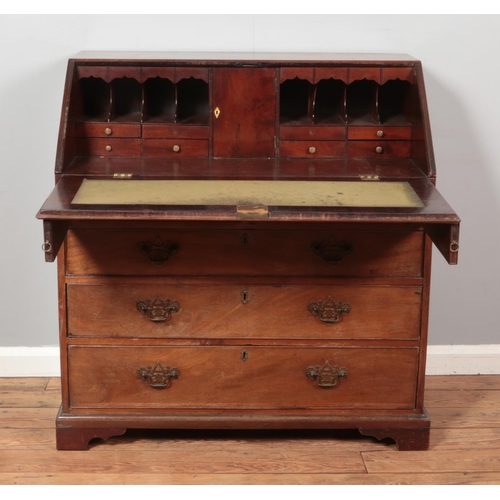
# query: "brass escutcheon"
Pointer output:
{"type": "Point", "coordinates": [244, 297]}
{"type": "Point", "coordinates": [216, 112]}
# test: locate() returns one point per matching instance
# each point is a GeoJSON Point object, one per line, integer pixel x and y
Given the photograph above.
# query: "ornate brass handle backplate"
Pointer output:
{"type": "Point", "coordinates": [332, 251]}
{"type": "Point", "coordinates": [329, 311]}
{"type": "Point", "coordinates": [157, 251]}
{"type": "Point", "coordinates": [157, 376]}
{"type": "Point", "coordinates": [326, 376]}
{"type": "Point", "coordinates": [158, 310]}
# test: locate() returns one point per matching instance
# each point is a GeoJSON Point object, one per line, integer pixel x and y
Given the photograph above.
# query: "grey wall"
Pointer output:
{"type": "Point", "coordinates": [461, 59]}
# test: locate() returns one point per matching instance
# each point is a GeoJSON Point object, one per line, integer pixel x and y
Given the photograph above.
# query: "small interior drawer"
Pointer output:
{"type": "Point", "coordinates": [313, 132]}
{"type": "Point", "coordinates": [175, 147]}
{"type": "Point", "coordinates": [312, 149]}
{"type": "Point", "coordinates": [108, 147]}
{"type": "Point", "coordinates": [379, 149]}
{"type": "Point", "coordinates": [378, 133]}
{"type": "Point", "coordinates": [164, 131]}
{"type": "Point", "coordinates": [107, 129]}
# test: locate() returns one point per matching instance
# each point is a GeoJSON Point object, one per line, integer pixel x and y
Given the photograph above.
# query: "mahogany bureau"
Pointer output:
{"type": "Point", "coordinates": [244, 241]}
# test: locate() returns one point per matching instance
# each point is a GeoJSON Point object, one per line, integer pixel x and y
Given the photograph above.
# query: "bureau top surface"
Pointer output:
{"type": "Point", "coordinates": [212, 58]}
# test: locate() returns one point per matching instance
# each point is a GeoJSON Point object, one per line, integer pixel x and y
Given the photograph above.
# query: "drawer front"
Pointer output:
{"type": "Point", "coordinates": [380, 149]}
{"type": "Point", "coordinates": [121, 378]}
{"type": "Point", "coordinates": [160, 131]}
{"type": "Point", "coordinates": [249, 253]}
{"type": "Point", "coordinates": [238, 311]}
{"type": "Point", "coordinates": [312, 149]}
{"type": "Point", "coordinates": [175, 147]}
{"type": "Point", "coordinates": [107, 130]}
{"type": "Point", "coordinates": [108, 147]}
{"type": "Point", "coordinates": [379, 133]}
{"type": "Point", "coordinates": [312, 133]}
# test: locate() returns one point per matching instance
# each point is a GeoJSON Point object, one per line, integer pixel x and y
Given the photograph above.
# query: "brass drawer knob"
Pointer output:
{"type": "Point", "coordinates": [107, 131]}
{"type": "Point", "coordinates": [157, 251]}
{"type": "Point", "coordinates": [158, 310]}
{"type": "Point", "coordinates": [109, 148]}
{"type": "Point", "coordinates": [329, 311]}
{"type": "Point", "coordinates": [157, 376]}
{"type": "Point", "coordinates": [380, 133]}
{"type": "Point", "coordinates": [176, 148]}
{"type": "Point", "coordinates": [312, 150]}
{"type": "Point", "coordinates": [326, 376]}
{"type": "Point", "coordinates": [379, 149]}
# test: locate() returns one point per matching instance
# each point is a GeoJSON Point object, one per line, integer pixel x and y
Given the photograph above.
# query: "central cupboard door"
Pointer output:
{"type": "Point", "coordinates": [244, 107]}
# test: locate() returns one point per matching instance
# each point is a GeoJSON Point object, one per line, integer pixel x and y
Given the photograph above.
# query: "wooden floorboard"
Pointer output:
{"type": "Point", "coordinates": [103, 478]}
{"type": "Point", "coordinates": [464, 446]}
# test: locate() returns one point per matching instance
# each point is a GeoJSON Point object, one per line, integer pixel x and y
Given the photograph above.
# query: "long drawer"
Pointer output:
{"type": "Point", "coordinates": [238, 311]}
{"type": "Point", "coordinates": [128, 378]}
{"type": "Point", "coordinates": [249, 253]}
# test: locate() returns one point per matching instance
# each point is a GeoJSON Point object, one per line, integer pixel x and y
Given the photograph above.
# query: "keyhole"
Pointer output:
{"type": "Point", "coordinates": [244, 297]}
{"type": "Point", "coordinates": [244, 355]}
{"type": "Point", "coordinates": [244, 239]}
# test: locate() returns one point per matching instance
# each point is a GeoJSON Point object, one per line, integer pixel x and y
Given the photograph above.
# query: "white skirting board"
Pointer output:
{"type": "Point", "coordinates": [441, 360]}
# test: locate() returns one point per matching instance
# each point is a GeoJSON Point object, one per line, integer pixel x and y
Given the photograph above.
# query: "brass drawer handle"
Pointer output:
{"type": "Point", "coordinates": [332, 251]}
{"type": "Point", "coordinates": [158, 310]}
{"type": "Point", "coordinates": [108, 131]}
{"type": "Point", "coordinates": [157, 376]}
{"type": "Point", "coordinates": [379, 150]}
{"type": "Point", "coordinates": [326, 376]}
{"type": "Point", "coordinates": [176, 148]}
{"type": "Point", "coordinates": [157, 251]}
{"type": "Point", "coordinates": [329, 311]}
{"type": "Point", "coordinates": [312, 150]}
{"type": "Point", "coordinates": [380, 133]}
{"type": "Point", "coordinates": [109, 148]}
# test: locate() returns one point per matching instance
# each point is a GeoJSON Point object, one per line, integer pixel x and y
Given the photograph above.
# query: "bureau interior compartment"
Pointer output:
{"type": "Point", "coordinates": [126, 100]}
{"type": "Point", "coordinates": [159, 100]}
{"type": "Point", "coordinates": [296, 102]}
{"type": "Point", "coordinates": [361, 102]}
{"type": "Point", "coordinates": [95, 99]}
{"type": "Point", "coordinates": [329, 102]}
{"type": "Point", "coordinates": [192, 101]}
